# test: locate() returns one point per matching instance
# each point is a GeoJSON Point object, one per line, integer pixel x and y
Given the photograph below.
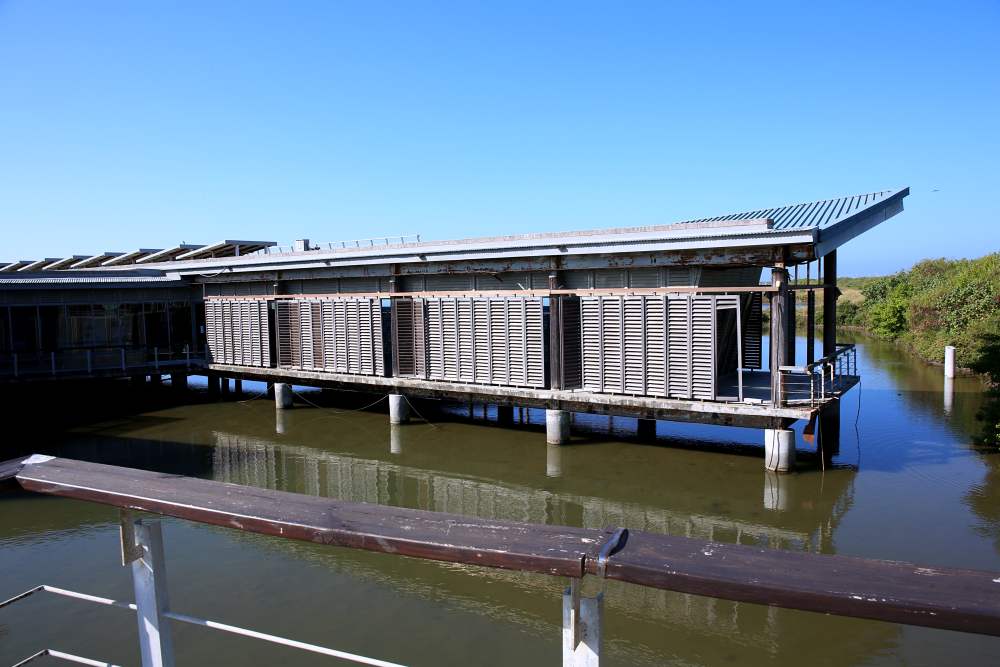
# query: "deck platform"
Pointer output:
{"type": "Point", "coordinates": [749, 415]}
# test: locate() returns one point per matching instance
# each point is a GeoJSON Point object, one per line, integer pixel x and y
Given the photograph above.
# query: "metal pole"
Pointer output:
{"type": "Point", "coordinates": [149, 577]}
{"type": "Point", "coordinates": [122, 350]}
{"type": "Point", "coordinates": [90, 361]}
{"type": "Point", "coordinates": [52, 361]}
{"type": "Point", "coordinates": [581, 628]}
{"type": "Point", "coordinates": [156, 357]}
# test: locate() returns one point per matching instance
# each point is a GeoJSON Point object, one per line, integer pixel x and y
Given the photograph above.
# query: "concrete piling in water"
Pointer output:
{"type": "Point", "coordinates": [399, 409]}
{"type": "Point", "coordinates": [556, 427]}
{"type": "Point", "coordinates": [238, 388]}
{"type": "Point", "coordinates": [179, 381]}
{"type": "Point", "coordinates": [646, 429]}
{"type": "Point", "coordinates": [213, 385]}
{"type": "Point", "coordinates": [224, 386]}
{"type": "Point", "coordinates": [949, 361]}
{"type": "Point", "coordinates": [282, 395]}
{"type": "Point", "coordinates": [779, 449]}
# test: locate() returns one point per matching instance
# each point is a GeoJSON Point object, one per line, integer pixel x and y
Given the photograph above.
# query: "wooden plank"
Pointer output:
{"type": "Point", "coordinates": [554, 550]}
{"type": "Point", "coordinates": [950, 599]}
{"type": "Point", "coordinates": [945, 598]}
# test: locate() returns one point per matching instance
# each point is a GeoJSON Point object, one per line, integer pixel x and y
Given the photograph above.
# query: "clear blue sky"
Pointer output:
{"type": "Point", "coordinates": [128, 124]}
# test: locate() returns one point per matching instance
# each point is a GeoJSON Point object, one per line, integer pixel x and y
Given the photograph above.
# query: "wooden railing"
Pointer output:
{"type": "Point", "coordinates": [947, 598]}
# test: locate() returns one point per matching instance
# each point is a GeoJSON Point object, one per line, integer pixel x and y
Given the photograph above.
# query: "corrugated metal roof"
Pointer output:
{"type": "Point", "coordinates": [87, 279]}
{"type": "Point", "coordinates": [814, 215]}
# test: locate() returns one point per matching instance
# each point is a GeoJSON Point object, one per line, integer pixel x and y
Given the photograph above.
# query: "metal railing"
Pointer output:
{"type": "Point", "coordinates": [952, 599]}
{"type": "Point", "coordinates": [100, 359]}
{"type": "Point", "coordinates": [821, 380]}
{"type": "Point", "coordinates": [339, 245]}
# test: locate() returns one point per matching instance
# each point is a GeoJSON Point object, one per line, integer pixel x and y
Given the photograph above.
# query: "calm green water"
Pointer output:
{"type": "Point", "coordinates": [906, 485]}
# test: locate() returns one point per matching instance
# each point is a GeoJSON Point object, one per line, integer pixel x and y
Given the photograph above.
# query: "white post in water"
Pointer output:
{"type": "Point", "coordinates": [399, 409]}
{"type": "Point", "coordinates": [282, 395]}
{"type": "Point", "coordinates": [149, 577]}
{"type": "Point", "coordinates": [556, 427]}
{"type": "Point", "coordinates": [779, 449]}
{"type": "Point", "coordinates": [581, 628]}
{"type": "Point", "coordinates": [949, 361]}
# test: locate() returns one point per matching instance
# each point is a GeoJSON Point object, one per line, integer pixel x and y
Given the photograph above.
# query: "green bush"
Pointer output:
{"type": "Point", "coordinates": [936, 303]}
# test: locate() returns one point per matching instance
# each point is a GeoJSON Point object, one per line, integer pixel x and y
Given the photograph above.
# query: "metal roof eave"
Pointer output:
{"type": "Point", "coordinates": [426, 255]}
{"type": "Point", "coordinates": [832, 237]}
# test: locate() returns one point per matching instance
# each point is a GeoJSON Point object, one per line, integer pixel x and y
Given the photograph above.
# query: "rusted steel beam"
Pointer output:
{"type": "Point", "coordinates": [946, 598]}
{"type": "Point", "coordinates": [624, 291]}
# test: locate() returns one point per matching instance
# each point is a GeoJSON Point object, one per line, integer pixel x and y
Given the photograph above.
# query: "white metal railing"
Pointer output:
{"type": "Point", "coordinates": [821, 380]}
{"type": "Point", "coordinates": [142, 551]}
{"type": "Point", "coordinates": [338, 245]}
{"type": "Point", "coordinates": [88, 360]}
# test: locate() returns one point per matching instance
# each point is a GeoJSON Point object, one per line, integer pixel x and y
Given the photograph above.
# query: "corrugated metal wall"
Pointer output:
{"type": "Point", "coordinates": [663, 345]}
{"type": "Point", "coordinates": [238, 332]}
{"type": "Point", "coordinates": [480, 340]}
{"type": "Point", "coordinates": [333, 335]}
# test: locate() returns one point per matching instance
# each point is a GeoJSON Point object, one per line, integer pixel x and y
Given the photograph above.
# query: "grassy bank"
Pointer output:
{"type": "Point", "coordinates": [938, 302]}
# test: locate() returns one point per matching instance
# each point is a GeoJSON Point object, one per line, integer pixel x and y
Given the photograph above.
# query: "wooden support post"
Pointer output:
{"type": "Point", "coordinates": [830, 293]}
{"type": "Point", "coordinates": [810, 326]}
{"type": "Point", "coordinates": [779, 331]}
{"type": "Point", "coordinates": [790, 322]}
{"type": "Point", "coordinates": [555, 334]}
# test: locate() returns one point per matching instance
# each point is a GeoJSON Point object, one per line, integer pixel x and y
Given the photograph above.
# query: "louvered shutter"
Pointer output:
{"type": "Point", "coordinates": [752, 330]}
{"type": "Point", "coordinates": [591, 343]}
{"type": "Point", "coordinates": [679, 346]}
{"type": "Point", "coordinates": [703, 347]}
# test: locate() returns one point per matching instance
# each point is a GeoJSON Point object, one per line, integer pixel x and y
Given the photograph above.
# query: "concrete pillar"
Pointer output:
{"type": "Point", "coordinates": [238, 387]}
{"type": "Point", "coordinates": [224, 385]}
{"type": "Point", "coordinates": [179, 381]}
{"type": "Point", "coordinates": [282, 395]}
{"type": "Point", "coordinates": [395, 439]}
{"type": "Point", "coordinates": [949, 361]}
{"type": "Point", "coordinates": [399, 409]}
{"type": "Point", "coordinates": [213, 385]}
{"type": "Point", "coordinates": [556, 427]}
{"type": "Point", "coordinates": [646, 429]}
{"type": "Point", "coordinates": [155, 378]}
{"type": "Point", "coordinates": [779, 449]}
{"type": "Point", "coordinates": [505, 414]}
{"type": "Point", "coordinates": [553, 461]}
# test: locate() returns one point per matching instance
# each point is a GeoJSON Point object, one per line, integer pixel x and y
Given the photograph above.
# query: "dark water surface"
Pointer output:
{"type": "Point", "coordinates": [906, 485]}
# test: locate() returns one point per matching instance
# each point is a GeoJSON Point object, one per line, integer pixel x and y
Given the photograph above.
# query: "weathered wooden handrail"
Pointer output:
{"type": "Point", "coordinates": [947, 598]}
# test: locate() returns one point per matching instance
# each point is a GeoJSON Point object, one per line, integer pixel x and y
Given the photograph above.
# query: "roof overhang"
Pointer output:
{"type": "Point", "coordinates": [96, 260]}
{"type": "Point", "coordinates": [227, 248]}
{"type": "Point", "coordinates": [839, 233]}
{"type": "Point", "coordinates": [130, 257]}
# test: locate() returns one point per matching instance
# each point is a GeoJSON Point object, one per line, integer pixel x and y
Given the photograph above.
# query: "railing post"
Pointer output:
{"type": "Point", "coordinates": [156, 358]}
{"type": "Point", "coordinates": [187, 355]}
{"type": "Point", "coordinates": [149, 577]}
{"type": "Point", "coordinates": [581, 628]}
{"type": "Point", "coordinates": [52, 361]}
{"type": "Point", "coordinates": [14, 358]}
{"type": "Point", "coordinates": [122, 350]}
{"type": "Point", "coordinates": [90, 361]}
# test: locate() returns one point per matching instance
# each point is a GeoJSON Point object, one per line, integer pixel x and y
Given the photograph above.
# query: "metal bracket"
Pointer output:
{"type": "Point", "coordinates": [131, 550]}
{"type": "Point", "coordinates": [611, 546]}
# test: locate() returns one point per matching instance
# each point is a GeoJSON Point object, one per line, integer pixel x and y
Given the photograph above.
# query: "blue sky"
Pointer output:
{"type": "Point", "coordinates": [128, 124]}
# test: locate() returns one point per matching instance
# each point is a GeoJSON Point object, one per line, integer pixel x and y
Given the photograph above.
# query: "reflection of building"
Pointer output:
{"type": "Point", "coordinates": [662, 620]}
